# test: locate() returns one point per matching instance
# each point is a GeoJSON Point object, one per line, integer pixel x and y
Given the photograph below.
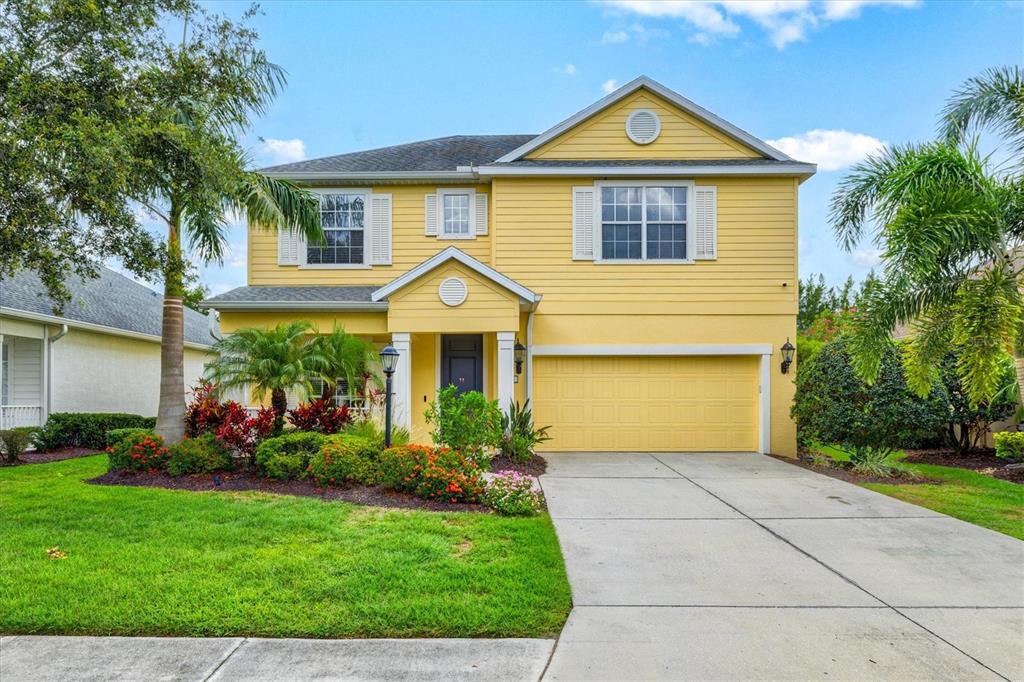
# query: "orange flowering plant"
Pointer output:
{"type": "Point", "coordinates": [138, 451]}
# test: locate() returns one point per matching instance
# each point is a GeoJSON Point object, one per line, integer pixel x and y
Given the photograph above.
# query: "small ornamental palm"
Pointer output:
{"type": "Point", "coordinates": [271, 361]}
{"type": "Point", "coordinates": [341, 355]}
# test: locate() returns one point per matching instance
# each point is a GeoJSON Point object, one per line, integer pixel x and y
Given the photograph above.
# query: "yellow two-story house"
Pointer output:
{"type": "Point", "coordinates": [632, 272]}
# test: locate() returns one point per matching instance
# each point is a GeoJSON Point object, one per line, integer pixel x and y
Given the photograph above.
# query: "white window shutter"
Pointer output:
{"type": "Point", "coordinates": [380, 229]}
{"type": "Point", "coordinates": [287, 247]}
{"type": "Point", "coordinates": [430, 215]}
{"type": "Point", "coordinates": [583, 223]}
{"type": "Point", "coordinates": [705, 218]}
{"type": "Point", "coordinates": [480, 206]}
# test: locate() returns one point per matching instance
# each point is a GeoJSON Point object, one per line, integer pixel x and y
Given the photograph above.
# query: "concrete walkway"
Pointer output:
{"type": "Point", "coordinates": [739, 566]}
{"type": "Point", "coordinates": [148, 659]}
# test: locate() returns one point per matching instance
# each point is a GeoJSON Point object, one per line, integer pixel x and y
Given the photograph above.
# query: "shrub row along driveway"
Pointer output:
{"type": "Point", "coordinates": [738, 566]}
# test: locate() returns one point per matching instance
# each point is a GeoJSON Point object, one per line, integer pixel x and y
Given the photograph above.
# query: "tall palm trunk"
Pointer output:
{"type": "Point", "coordinates": [170, 418]}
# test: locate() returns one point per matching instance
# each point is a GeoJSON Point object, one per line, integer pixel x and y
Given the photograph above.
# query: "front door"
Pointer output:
{"type": "Point", "coordinates": [462, 362]}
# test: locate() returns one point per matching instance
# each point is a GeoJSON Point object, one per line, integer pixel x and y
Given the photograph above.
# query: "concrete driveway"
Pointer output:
{"type": "Point", "coordinates": [739, 566]}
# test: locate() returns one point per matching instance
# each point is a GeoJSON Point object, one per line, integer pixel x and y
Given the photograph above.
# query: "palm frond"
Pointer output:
{"type": "Point", "coordinates": [994, 100]}
{"type": "Point", "coordinates": [272, 203]}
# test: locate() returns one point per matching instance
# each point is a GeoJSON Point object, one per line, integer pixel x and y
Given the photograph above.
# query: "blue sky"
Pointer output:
{"type": "Point", "coordinates": [364, 75]}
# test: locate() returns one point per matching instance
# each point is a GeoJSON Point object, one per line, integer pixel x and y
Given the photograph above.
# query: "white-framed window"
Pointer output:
{"type": "Point", "coordinates": [641, 221]}
{"type": "Point", "coordinates": [342, 394]}
{"type": "Point", "coordinates": [343, 216]}
{"type": "Point", "coordinates": [456, 209]}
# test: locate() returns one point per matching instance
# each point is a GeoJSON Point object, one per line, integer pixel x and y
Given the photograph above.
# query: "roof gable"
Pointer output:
{"type": "Point", "coordinates": [688, 131]}
{"type": "Point", "coordinates": [452, 253]}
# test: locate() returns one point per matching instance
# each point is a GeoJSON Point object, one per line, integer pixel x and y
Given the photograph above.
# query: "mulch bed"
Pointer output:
{"type": "Point", "coordinates": [238, 481]}
{"type": "Point", "coordinates": [54, 455]}
{"type": "Point", "coordinates": [535, 467]}
{"type": "Point", "coordinates": [850, 476]}
{"type": "Point", "coordinates": [981, 461]}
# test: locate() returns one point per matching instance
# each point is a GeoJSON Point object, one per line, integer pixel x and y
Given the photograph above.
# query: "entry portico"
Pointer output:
{"type": "Point", "coordinates": [453, 295]}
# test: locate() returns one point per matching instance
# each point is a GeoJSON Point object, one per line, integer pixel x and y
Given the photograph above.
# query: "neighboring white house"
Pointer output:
{"type": "Point", "coordinates": [100, 354]}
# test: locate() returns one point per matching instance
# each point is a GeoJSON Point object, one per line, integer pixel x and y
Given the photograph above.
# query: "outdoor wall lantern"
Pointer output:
{"type": "Point", "coordinates": [787, 356]}
{"type": "Point", "coordinates": [520, 355]}
{"type": "Point", "coordinates": [388, 362]}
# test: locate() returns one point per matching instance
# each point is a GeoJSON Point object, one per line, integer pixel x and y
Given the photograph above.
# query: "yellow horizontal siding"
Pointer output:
{"type": "Point", "coordinates": [757, 220]}
{"type": "Point", "coordinates": [410, 246]}
{"type": "Point", "coordinates": [353, 322]}
{"type": "Point", "coordinates": [487, 308]}
{"type": "Point", "coordinates": [682, 136]}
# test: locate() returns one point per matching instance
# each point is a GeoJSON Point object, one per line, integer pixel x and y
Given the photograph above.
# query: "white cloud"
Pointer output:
{"type": "Point", "coordinates": [569, 69]}
{"type": "Point", "coordinates": [830, 149]}
{"type": "Point", "coordinates": [837, 10]}
{"type": "Point", "coordinates": [785, 21]}
{"type": "Point", "coordinates": [609, 86]}
{"type": "Point", "coordinates": [282, 151]}
{"type": "Point", "coordinates": [867, 258]}
{"type": "Point", "coordinates": [614, 37]}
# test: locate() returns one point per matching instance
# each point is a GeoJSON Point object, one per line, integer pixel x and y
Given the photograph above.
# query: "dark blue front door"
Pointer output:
{"type": "Point", "coordinates": [462, 362]}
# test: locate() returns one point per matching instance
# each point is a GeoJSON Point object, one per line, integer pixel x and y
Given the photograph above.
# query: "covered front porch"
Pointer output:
{"type": "Point", "coordinates": [23, 374]}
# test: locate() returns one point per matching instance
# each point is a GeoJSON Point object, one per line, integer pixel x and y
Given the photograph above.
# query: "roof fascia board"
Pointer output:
{"type": "Point", "coordinates": [378, 175]}
{"type": "Point", "coordinates": [659, 89]}
{"type": "Point", "coordinates": [92, 327]}
{"type": "Point", "coordinates": [355, 306]}
{"type": "Point", "coordinates": [790, 168]}
{"type": "Point", "coordinates": [453, 253]}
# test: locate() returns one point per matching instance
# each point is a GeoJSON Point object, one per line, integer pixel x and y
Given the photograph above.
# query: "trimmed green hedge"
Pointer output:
{"type": "Point", "coordinates": [87, 429]}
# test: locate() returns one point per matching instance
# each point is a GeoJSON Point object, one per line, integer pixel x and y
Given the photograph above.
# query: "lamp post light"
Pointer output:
{"type": "Point", "coordinates": [787, 356]}
{"type": "Point", "coordinates": [388, 362]}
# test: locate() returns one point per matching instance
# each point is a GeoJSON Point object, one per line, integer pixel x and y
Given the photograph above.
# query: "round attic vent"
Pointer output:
{"type": "Point", "coordinates": [643, 126]}
{"type": "Point", "coordinates": [453, 291]}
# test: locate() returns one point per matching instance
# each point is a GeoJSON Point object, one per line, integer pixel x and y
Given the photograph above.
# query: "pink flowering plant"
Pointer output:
{"type": "Point", "coordinates": [511, 493]}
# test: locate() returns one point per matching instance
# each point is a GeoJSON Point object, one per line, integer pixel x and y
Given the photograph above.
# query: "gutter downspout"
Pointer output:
{"type": "Point", "coordinates": [529, 354]}
{"type": "Point", "coordinates": [49, 368]}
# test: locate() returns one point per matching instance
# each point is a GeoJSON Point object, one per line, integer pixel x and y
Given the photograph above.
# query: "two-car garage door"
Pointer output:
{"type": "Point", "coordinates": [653, 403]}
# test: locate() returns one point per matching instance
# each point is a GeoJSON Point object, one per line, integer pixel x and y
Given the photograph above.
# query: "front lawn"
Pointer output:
{"type": "Point", "coordinates": [966, 495]}
{"type": "Point", "coordinates": [145, 561]}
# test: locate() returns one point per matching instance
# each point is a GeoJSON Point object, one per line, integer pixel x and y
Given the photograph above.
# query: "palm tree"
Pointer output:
{"type": "Point", "coordinates": [949, 225]}
{"type": "Point", "coordinates": [273, 361]}
{"type": "Point", "coordinates": [196, 175]}
{"type": "Point", "coordinates": [344, 356]}
{"type": "Point", "coordinates": [992, 100]}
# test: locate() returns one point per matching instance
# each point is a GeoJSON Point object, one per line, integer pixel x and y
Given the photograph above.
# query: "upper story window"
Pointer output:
{"type": "Point", "coordinates": [643, 222]}
{"type": "Point", "coordinates": [456, 215]}
{"type": "Point", "coordinates": [343, 219]}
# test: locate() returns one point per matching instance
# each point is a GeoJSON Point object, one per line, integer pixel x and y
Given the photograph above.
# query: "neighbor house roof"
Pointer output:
{"type": "Point", "coordinates": [307, 298]}
{"type": "Point", "coordinates": [111, 301]}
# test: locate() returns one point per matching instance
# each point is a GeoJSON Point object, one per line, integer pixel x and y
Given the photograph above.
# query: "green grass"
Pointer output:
{"type": "Point", "coordinates": [962, 494]}
{"type": "Point", "coordinates": [146, 561]}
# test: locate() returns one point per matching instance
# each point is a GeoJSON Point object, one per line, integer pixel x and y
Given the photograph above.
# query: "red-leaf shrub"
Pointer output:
{"type": "Point", "coordinates": [320, 415]}
{"type": "Point", "coordinates": [138, 452]}
{"type": "Point", "coordinates": [205, 413]}
{"type": "Point", "coordinates": [242, 432]}
{"type": "Point", "coordinates": [440, 474]}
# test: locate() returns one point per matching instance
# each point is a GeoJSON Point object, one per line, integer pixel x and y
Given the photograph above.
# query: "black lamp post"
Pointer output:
{"type": "Point", "coordinates": [520, 355]}
{"type": "Point", "coordinates": [388, 362]}
{"type": "Point", "coordinates": [787, 356]}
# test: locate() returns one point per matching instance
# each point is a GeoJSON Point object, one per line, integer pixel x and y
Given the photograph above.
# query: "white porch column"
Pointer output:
{"type": "Point", "coordinates": [506, 369]}
{"type": "Point", "coordinates": [401, 386]}
{"type": "Point", "coordinates": [44, 378]}
{"type": "Point", "coordinates": [765, 387]}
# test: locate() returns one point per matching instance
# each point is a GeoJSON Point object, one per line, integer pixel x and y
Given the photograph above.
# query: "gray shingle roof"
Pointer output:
{"type": "Point", "coordinates": [439, 154]}
{"type": "Point", "coordinates": [321, 294]}
{"type": "Point", "coordinates": [111, 300]}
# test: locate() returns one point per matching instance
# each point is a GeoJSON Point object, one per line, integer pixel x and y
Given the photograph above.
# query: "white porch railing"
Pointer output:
{"type": "Point", "coordinates": [12, 416]}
